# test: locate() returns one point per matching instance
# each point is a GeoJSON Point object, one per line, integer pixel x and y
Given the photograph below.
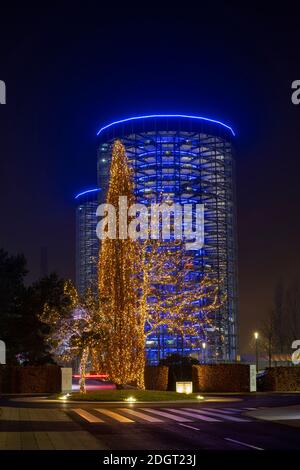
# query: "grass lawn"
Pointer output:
{"type": "Point", "coordinates": [139, 395]}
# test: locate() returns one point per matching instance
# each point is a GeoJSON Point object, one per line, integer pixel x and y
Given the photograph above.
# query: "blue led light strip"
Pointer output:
{"type": "Point", "coordinates": [86, 192]}
{"type": "Point", "coordinates": [165, 116]}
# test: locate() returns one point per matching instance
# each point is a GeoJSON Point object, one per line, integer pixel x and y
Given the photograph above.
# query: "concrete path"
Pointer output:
{"type": "Point", "coordinates": [42, 429]}
{"type": "Point", "coordinates": [289, 415]}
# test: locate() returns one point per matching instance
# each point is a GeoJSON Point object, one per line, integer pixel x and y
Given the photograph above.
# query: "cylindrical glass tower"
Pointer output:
{"type": "Point", "coordinates": [87, 243]}
{"type": "Point", "coordinates": [188, 159]}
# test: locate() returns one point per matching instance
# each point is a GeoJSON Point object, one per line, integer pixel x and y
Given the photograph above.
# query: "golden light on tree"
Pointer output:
{"type": "Point", "coordinates": [76, 328]}
{"type": "Point", "coordinates": [169, 297]}
{"type": "Point", "coordinates": [117, 266]}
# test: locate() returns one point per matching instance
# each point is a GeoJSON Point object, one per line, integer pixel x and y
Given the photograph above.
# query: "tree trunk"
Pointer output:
{"type": "Point", "coordinates": [141, 371]}
{"type": "Point", "coordinates": [83, 361]}
{"type": "Point", "coordinates": [270, 352]}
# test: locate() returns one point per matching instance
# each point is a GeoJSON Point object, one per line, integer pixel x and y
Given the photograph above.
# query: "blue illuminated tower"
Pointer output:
{"type": "Point", "coordinates": [190, 160]}
{"type": "Point", "coordinates": [87, 243]}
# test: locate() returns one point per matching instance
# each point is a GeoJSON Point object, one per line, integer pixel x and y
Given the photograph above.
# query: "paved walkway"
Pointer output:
{"type": "Point", "coordinates": [42, 429]}
{"type": "Point", "coordinates": [289, 415]}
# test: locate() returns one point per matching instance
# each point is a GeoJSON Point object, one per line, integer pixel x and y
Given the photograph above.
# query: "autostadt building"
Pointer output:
{"type": "Point", "coordinates": [188, 159]}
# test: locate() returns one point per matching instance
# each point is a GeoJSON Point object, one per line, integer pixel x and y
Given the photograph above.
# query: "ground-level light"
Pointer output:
{"type": "Point", "coordinates": [184, 387]}
{"type": "Point", "coordinates": [64, 397]}
{"type": "Point", "coordinates": [130, 399]}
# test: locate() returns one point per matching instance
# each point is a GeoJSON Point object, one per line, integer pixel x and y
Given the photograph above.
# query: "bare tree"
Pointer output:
{"type": "Point", "coordinates": [280, 324]}
{"type": "Point", "coordinates": [268, 335]}
{"type": "Point", "coordinates": [292, 307]}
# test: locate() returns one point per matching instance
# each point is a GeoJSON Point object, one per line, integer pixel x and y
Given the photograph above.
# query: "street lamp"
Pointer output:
{"type": "Point", "coordinates": [256, 348]}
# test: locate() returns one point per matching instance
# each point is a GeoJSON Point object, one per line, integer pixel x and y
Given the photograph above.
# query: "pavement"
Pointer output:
{"type": "Point", "coordinates": [288, 415]}
{"type": "Point", "coordinates": [255, 422]}
{"type": "Point", "coordinates": [42, 429]}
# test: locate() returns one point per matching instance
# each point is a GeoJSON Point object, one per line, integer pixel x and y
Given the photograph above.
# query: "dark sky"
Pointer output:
{"type": "Point", "coordinates": [71, 67]}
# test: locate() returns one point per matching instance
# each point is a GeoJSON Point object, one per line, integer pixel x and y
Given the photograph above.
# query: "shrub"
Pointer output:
{"type": "Point", "coordinates": [281, 379]}
{"type": "Point", "coordinates": [156, 378]}
{"type": "Point", "coordinates": [221, 378]}
{"type": "Point", "coordinates": [30, 379]}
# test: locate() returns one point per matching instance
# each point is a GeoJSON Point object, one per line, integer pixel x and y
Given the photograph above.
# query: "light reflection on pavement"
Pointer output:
{"type": "Point", "coordinates": [92, 384]}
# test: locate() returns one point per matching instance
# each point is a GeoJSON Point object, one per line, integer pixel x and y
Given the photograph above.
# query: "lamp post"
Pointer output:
{"type": "Point", "coordinates": [256, 349]}
{"type": "Point", "coordinates": [203, 351]}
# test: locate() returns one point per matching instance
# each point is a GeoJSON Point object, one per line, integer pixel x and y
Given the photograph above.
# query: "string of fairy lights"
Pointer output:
{"type": "Point", "coordinates": [117, 264]}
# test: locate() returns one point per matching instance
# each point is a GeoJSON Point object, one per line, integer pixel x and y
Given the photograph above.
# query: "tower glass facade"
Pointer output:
{"type": "Point", "coordinates": [87, 243]}
{"type": "Point", "coordinates": [189, 160]}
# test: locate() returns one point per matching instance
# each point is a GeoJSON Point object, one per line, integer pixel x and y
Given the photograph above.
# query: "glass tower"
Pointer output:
{"type": "Point", "coordinates": [87, 243]}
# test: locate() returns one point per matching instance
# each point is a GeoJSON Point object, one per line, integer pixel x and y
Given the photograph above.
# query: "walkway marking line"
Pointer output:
{"type": "Point", "coordinates": [219, 410]}
{"type": "Point", "coordinates": [235, 410]}
{"type": "Point", "coordinates": [225, 417]}
{"type": "Point", "coordinates": [180, 419]}
{"type": "Point", "coordinates": [138, 414]}
{"type": "Point", "coordinates": [87, 416]}
{"type": "Point", "coordinates": [242, 443]}
{"type": "Point", "coordinates": [114, 415]}
{"type": "Point", "coordinates": [190, 427]}
{"type": "Point", "coordinates": [194, 415]}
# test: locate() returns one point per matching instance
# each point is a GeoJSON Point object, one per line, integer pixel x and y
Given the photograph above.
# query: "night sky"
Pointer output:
{"type": "Point", "coordinates": [70, 68]}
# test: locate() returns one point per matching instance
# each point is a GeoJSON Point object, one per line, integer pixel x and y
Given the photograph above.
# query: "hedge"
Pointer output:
{"type": "Point", "coordinates": [281, 379]}
{"type": "Point", "coordinates": [156, 378]}
{"type": "Point", "coordinates": [221, 378]}
{"type": "Point", "coordinates": [30, 379]}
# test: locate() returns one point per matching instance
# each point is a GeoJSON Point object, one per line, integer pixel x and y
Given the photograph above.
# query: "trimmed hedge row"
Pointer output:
{"type": "Point", "coordinates": [281, 379]}
{"type": "Point", "coordinates": [30, 379]}
{"type": "Point", "coordinates": [156, 378]}
{"type": "Point", "coordinates": [206, 378]}
{"type": "Point", "coordinates": [221, 378]}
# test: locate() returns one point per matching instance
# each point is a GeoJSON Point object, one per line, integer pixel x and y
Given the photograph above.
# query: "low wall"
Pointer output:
{"type": "Point", "coordinates": [281, 379]}
{"type": "Point", "coordinates": [30, 379]}
{"type": "Point", "coordinates": [221, 378]}
{"type": "Point", "coordinates": [156, 378]}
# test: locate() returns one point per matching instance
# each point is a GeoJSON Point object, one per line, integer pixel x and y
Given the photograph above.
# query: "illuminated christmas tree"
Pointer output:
{"type": "Point", "coordinates": [117, 267]}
